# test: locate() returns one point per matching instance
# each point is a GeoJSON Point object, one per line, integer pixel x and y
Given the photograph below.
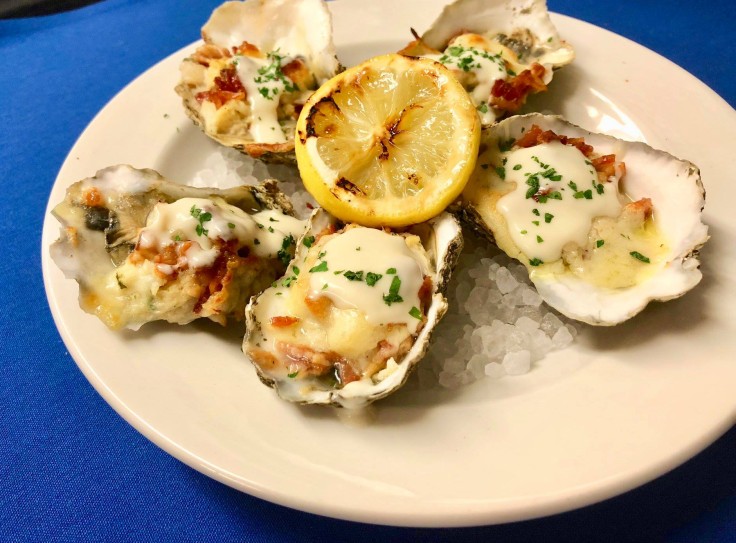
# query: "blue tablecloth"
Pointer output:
{"type": "Point", "coordinates": [72, 470]}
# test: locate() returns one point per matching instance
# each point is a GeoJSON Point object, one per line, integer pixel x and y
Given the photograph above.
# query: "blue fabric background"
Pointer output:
{"type": "Point", "coordinates": [72, 470]}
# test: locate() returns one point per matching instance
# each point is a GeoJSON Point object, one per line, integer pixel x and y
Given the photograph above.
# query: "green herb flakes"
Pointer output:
{"type": "Point", "coordinates": [416, 313]}
{"type": "Point", "coordinates": [637, 255]}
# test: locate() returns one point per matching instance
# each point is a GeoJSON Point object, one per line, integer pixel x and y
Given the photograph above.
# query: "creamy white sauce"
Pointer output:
{"type": "Point", "coordinates": [486, 67]}
{"type": "Point", "coordinates": [203, 221]}
{"type": "Point", "coordinates": [372, 251]}
{"type": "Point", "coordinates": [264, 93]}
{"type": "Point", "coordinates": [541, 228]}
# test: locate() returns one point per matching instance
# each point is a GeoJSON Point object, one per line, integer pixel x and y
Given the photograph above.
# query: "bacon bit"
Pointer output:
{"type": "Point", "coordinates": [208, 52]}
{"type": "Point", "coordinates": [510, 95]}
{"type": "Point", "coordinates": [92, 197]}
{"type": "Point", "coordinates": [247, 49]}
{"type": "Point", "coordinates": [226, 87]}
{"type": "Point", "coordinates": [297, 71]}
{"type": "Point", "coordinates": [283, 322]}
{"type": "Point", "coordinates": [641, 207]}
{"type": "Point", "coordinates": [309, 206]}
{"type": "Point", "coordinates": [345, 372]}
{"type": "Point", "coordinates": [425, 292]}
{"type": "Point", "coordinates": [318, 305]}
{"type": "Point", "coordinates": [307, 360]}
{"type": "Point", "coordinates": [606, 165]}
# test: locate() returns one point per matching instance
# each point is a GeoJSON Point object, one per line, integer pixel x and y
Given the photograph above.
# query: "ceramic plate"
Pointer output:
{"type": "Point", "coordinates": [619, 408]}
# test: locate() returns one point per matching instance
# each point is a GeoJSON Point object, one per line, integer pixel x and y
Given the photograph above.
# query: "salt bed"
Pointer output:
{"type": "Point", "coordinates": [496, 324]}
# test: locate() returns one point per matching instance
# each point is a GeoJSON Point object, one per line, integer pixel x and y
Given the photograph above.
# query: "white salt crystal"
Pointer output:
{"type": "Point", "coordinates": [494, 370]}
{"type": "Point", "coordinates": [505, 281]}
{"type": "Point", "coordinates": [530, 297]}
{"type": "Point", "coordinates": [550, 324]}
{"type": "Point", "coordinates": [449, 380]}
{"type": "Point", "coordinates": [517, 363]}
{"type": "Point", "coordinates": [562, 338]}
{"type": "Point", "coordinates": [527, 324]}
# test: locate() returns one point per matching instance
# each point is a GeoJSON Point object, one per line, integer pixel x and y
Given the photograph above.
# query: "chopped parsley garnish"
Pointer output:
{"type": "Point", "coordinates": [372, 278]}
{"type": "Point", "coordinates": [283, 254]}
{"type": "Point", "coordinates": [391, 271]}
{"type": "Point", "coordinates": [539, 239]}
{"type": "Point", "coordinates": [353, 275]}
{"type": "Point", "coordinates": [548, 217]}
{"type": "Point", "coordinates": [308, 241]}
{"type": "Point", "coordinates": [177, 237]}
{"type": "Point", "coordinates": [321, 255]}
{"type": "Point", "coordinates": [338, 272]}
{"type": "Point", "coordinates": [535, 211]}
{"type": "Point", "coordinates": [535, 223]}
{"type": "Point", "coordinates": [523, 232]}
{"type": "Point", "coordinates": [270, 229]}
{"type": "Point", "coordinates": [272, 74]}
{"type": "Point", "coordinates": [517, 167]}
{"type": "Point", "coordinates": [324, 286]}
{"type": "Point", "coordinates": [414, 312]}
{"type": "Point", "coordinates": [231, 225]}
{"type": "Point", "coordinates": [256, 241]}
{"type": "Point", "coordinates": [202, 217]}
{"type": "Point", "coordinates": [393, 292]}
{"type": "Point", "coordinates": [295, 270]}
{"type": "Point", "coordinates": [466, 59]}
{"type": "Point", "coordinates": [259, 225]}
{"type": "Point", "coordinates": [483, 107]}
{"type": "Point", "coordinates": [554, 195]}
{"type": "Point", "coordinates": [599, 243]}
{"type": "Point", "coordinates": [533, 182]}
{"type": "Point", "coordinates": [506, 145]}
{"type": "Point", "coordinates": [321, 267]}
{"type": "Point", "coordinates": [292, 375]}
{"type": "Point", "coordinates": [357, 248]}
{"type": "Point", "coordinates": [535, 262]}
{"type": "Point", "coordinates": [637, 255]}
{"type": "Point", "coordinates": [501, 171]}
{"type": "Point", "coordinates": [272, 219]}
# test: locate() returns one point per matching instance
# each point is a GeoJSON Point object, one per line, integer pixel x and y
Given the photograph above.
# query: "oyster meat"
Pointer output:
{"type": "Point", "coordinates": [354, 312]}
{"type": "Point", "coordinates": [603, 225]}
{"type": "Point", "coordinates": [500, 50]}
{"type": "Point", "coordinates": [143, 248]}
{"type": "Point", "coordinates": [260, 62]}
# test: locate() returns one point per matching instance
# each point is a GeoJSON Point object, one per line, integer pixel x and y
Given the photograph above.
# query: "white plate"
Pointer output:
{"type": "Point", "coordinates": [623, 406]}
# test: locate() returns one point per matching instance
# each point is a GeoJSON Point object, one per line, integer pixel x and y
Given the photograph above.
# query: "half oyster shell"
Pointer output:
{"type": "Point", "coordinates": [354, 313]}
{"type": "Point", "coordinates": [604, 226]}
{"type": "Point", "coordinates": [500, 50]}
{"type": "Point", "coordinates": [260, 62]}
{"type": "Point", "coordinates": [143, 248]}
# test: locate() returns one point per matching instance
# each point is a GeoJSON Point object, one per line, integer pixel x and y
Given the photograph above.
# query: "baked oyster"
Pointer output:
{"type": "Point", "coordinates": [603, 225]}
{"type": "Point", "coordinates": [354, 312]}
{"type": "Point", "coordinates": [260, 62]}
{"type": "Point", "coordinates": [500, 50]}
{"type": "Point", "coordinates": [143, 248]}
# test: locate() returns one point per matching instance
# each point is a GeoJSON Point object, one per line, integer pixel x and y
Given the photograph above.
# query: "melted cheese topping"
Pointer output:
{"type": "Point", "coordinates": [264, 89]}
{"type": "Point", "coordinates": [365, 257]}
{"type": "Point", "coordinates": [362, 311]}
{"type": "Point", "coordinates": [479, 62]}
{"type": "Point", "coordinates": [556, 197]}
{"type": "Point", "coordinates": [202, 221]}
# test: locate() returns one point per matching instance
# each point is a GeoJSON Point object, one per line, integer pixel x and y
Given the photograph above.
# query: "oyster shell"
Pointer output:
{"type": "Point", "coordinates": [604, 226]}
{"type": "Point", "coordinates": [260, 62]}
{"type": "Point", "coordinates": [143, 248]}
{"type": "Point", "coordinates": [354, 313]}
{"type": "Point", "coordinates": [500, 50]}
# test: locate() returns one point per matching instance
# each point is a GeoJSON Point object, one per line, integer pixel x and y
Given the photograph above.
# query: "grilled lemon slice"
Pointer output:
{"type": "Point", "coordinates": [390, 142]}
